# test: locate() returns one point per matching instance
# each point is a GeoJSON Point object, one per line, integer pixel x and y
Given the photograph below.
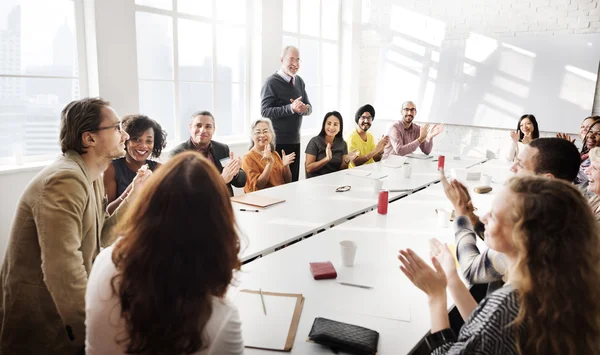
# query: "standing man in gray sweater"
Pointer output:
{"type": "Point", "coordinates": [284, 101]}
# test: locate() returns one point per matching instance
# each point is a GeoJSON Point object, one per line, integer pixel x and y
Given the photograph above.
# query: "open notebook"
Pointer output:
{"type": "Point", "coordinates": [257, 200]}
{"type": "Point", "coordinates": [275, 330]}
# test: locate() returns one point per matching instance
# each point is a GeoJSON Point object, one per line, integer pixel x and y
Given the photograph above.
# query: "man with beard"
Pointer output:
{"type": "Point", "coordinates": [406, 136]}
{"type": "Point", "coordinates": [202, 127]}
{"type": "Point", "coordinates": [284, 101]}
{"type": "Point", "coordinates": [362, 141]}
{"type": "Point", "coordinates": [58, 229]}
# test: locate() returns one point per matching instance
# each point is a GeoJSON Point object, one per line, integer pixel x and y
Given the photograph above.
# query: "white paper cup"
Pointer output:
{"type": "Point", "coordinates": [348, 249]}
{"type": "Point", "coordinates": [377, 185]}
{"type": "Point", "coordinates": [443, 217]}
{"type": "Point", "coordinates": [406, 170]}
{"type": "Point", "coordinates": [486, 179]}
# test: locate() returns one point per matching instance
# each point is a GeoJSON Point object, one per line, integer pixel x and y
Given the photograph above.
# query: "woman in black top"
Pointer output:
{"type": "Point", "coordinates": [328, 151]}
{"type": "Point", "coordinates": [147, 138]}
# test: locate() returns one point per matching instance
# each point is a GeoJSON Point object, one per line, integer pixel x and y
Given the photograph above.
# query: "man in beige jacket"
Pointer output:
{"type": "Point", "coordinates": [59, 226]}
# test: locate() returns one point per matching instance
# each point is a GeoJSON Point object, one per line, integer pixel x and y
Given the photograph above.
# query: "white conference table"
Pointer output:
{"type": "Point", "coordinates": [410, 223]}
{"type": "Point", "coordinates": [313, 205]}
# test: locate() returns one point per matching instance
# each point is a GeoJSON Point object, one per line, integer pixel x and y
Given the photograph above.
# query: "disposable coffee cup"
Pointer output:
{"type": "Point", "coordinates": [406, 170]}
{"type": "Point", "coordinates": [377, 185]}
{"type": "Point", "coordinates": [443, 216]}
{"type": "Point", "coordinates": [348, 249]}
{"type": "Point", "coordinates": [486, 179]}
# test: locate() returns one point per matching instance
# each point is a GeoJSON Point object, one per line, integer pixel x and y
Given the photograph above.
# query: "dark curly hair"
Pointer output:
{"type": "Point", "coordinates": [135, 125]}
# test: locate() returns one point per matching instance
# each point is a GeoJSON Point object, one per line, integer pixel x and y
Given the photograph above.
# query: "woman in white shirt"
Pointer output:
{"type": "Point", "coordinates": [527, 130]}
{"type": "Point", "coordinates": [160, 288]}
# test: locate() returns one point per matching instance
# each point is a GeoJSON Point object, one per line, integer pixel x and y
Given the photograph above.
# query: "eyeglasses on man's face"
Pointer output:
{"type": "Point", "coordinates": [411, 110]}
{"type": "Point", "coordinates": [117, 127]}
{"type": "Point", "coordinates": [367, 118]}
{"type": "Point", "coordinates": [293, 60]}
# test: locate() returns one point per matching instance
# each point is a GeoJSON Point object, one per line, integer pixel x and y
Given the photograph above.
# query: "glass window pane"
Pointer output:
{"type": "Point", "coordinates": [309, 17]}
{"type": "Point", "coordinates": [229, 110]}
{"type": "Point", "coordinates": [195, 50]}
{"type": "Point", "coordinates": [159, 4]}
{"type": "Point", "coordinates": [330, 103]}
{"type": "Point", "coordinates": [231, 11]}
{"type": "Point", "coordinates": [154, 46]}
{"type": "Point", "coordinates": [290, 16]}
{"type": "Point", "coordinates": [193, 97]}
{"type": "Point", "coordinates": [30, 114]}
{"type": "Point", "coordinates": [37, 37]}
{"type": "Point", "coordinates": [330, 19]}
{"type": "Point", "coordinates": [309, 68]}
{"type": "Point", "coordinates": [315, 119]}
{"type": "Point", "coordinates": [195, 7]}
{"type": "Point", "coordinates": [157, 101]}
{"type": "Point", "coordinates": [290, 41]}
{"type": "Point", "coordinates": [330, 64]}
{"type": "Point", "coordinates": [231, 54]}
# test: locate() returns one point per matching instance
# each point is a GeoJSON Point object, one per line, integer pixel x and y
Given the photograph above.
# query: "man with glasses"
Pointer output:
{"type": "Point", "coordinates": [362, 141]}
{"type": "Point", "coordinates": [406, 136]}
{"type": "Point", "coordinates": [284, 101]}
{"type": "Point", "coordinates": [59, 227]}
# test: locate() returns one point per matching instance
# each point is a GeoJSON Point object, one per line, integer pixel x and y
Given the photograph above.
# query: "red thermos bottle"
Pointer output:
{"type": "Point", "coordinates": [441, 161]}
{"type": "Point", "coordinates": [382, 204]}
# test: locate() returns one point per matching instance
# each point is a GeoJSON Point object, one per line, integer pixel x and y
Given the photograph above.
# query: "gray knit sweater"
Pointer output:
{"type": "Point", "coordinates": [275, 104]}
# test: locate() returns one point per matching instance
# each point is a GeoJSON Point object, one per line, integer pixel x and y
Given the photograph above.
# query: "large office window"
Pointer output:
{"type": "Point", "coordinates": [40, 70]}
{"type": "Point", "coordinates": [192, 55]}
{"type": "Point", "coordinates": [314, 27]}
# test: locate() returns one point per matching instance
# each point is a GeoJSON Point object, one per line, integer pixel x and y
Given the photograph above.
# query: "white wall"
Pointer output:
{"type": "Point", "coordinates": [365, 27]}
{"type": "Point", "coordinates": [496, 18]}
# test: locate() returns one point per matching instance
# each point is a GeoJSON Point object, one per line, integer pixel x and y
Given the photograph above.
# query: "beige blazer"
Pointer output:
{"type": "Point", "coordinates": [59, 226]}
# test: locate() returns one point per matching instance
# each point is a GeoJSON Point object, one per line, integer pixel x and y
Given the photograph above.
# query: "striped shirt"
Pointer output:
{"type": "Point", "coordinates": [488, 329]}
{"type": "Point", "coordinates": [478, 268]}
{"type": "Point", "coordinates": [405, 140]}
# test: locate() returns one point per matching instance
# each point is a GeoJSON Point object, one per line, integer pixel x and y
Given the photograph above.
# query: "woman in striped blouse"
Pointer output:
{"type": "Point", "coordinates": [551, 303]}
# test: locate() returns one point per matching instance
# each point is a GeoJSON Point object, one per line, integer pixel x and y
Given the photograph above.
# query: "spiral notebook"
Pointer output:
{"type": "Point", "coordinates": [273, 327]}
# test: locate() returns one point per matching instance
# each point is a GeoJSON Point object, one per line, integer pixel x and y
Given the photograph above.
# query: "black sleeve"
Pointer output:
{"type": "Point", "coordinates": [479, 229]}
{"type": "Point", "coordinates": [240, 179]}
{"type": "Point", "coordinates": [267, 104]}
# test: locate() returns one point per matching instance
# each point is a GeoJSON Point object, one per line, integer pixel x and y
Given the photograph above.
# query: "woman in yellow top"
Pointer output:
{"type": "Point", "coordinates": [263, 166]}
{"type": "Point", "coordinates": [362, 141]}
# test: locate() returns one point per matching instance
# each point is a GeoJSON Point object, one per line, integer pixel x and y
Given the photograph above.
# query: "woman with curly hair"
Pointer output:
{"type": "Point", "coordinates": [147, 139]}
{"type": "Point", "coordinates": [551, 302]}
{"type": "Point", "coordinates": [160, 289]}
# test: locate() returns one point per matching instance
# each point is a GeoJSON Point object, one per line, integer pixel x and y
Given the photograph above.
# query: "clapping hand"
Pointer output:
{"type": "Point", "coordinates": [565, 136]}
{"type": "Point", "coordinates": [431, 281]}
{"type": "Point", "coordinates": [434, 131]}
{"type": "Point", "coordinates": [441, 252]}
{"type": "Point", "coordinates": [458, 195]}
{"type": "Point", "coordinates": [328, 153]}
{"type": "Point", "coordinates": [424, 132]}
{"type": "Point", "coordinates": [287, 159]}
{"type": "Point", "coordinates": [514, 135]}
{"type": "Point", "coordinates": [231, 169]}
{"type": "Point", "coordinates": [383, 142]}
{"type": "Point", "coordinates": [266, 155]}
{"type": "Point", "coordinates": [352, 155]}
{"type": "Point", "coordinates": [139, 180]}
{"type": "Point", "coordinates": [298, 106]}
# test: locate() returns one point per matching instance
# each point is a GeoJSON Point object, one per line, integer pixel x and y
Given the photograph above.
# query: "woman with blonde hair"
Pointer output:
{"type": "Point", "coordinates": [160, 289]}
{"type": "Point", "coordinates": [551, 303]}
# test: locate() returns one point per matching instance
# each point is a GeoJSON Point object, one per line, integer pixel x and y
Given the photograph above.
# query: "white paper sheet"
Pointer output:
{"type": "Point", "coordinates": [268, 331]}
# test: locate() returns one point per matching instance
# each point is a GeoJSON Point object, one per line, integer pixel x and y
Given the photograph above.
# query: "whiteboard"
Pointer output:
{"type": "Point", "coordinates": [490, 82]}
